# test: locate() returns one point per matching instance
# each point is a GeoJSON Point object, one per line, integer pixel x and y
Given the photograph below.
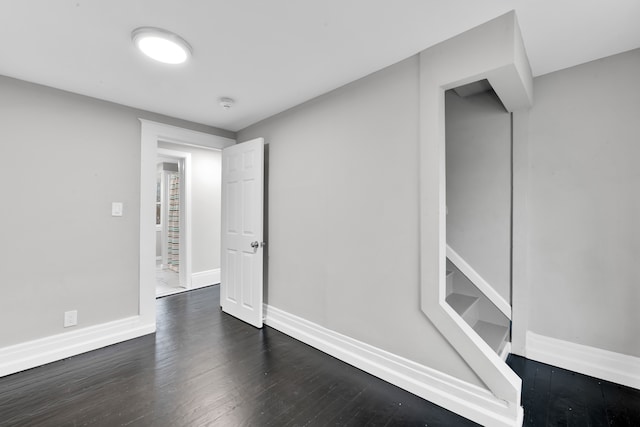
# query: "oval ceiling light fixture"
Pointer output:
{"type": "Point", "coordinates": [161, 45]}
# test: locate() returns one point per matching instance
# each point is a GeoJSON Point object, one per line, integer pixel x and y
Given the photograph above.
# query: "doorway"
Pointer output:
{"type": "Point", "coordinates": [155, 136]}
{"type": "Point", "coordinates": [170, 223]}
{"type": "Point", "coordinates": [478, 171]}
{"type": "Point", "coordinates": [190, 181]}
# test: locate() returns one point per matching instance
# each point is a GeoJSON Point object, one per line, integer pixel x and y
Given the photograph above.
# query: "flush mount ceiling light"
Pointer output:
{"type": "Point", "coordinates": [161, 45]}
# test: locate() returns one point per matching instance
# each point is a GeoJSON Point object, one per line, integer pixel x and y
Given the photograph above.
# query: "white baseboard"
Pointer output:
{"type": "Point", "coordinates": [595, 362]}
{"type": "Point", "coordinates": [205, 278]}
{"type": "Point", "coordinates": [506, 351]}
{"type": "Point", "coordinates": [465, 399]}
{"type": "Point", "coordinates": [38, 352]}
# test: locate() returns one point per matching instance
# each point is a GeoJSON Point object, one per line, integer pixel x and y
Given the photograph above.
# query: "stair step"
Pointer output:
{"type": "Point", "coordinates": [492, 334]}
{"type": "Point", "coordinates": [460, 302]}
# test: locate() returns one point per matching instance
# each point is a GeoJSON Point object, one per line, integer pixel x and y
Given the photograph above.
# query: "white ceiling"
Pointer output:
{"type": "Point", "coordinates": [270, 55]}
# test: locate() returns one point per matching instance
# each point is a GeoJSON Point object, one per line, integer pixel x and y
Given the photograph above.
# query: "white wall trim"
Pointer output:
{"type": "Point", "coordinates": [445, 66]}
{"type": "Point", "coordinates": [520, 243]}
{"type": "Point", "coordinates": [193, 138]}
{"type": "Point", "coordinates": [38, 352]}
{"type": "Point", "coordinates": [205, 278]}
{"type": "Point", "coordinates": [506, 351]}
{"type": "Point", "coordinates": [468, 400]}
{"type": "Point", "coordinates": [482, 285]}
{"type": "Point", "coordinates": [607, 365]}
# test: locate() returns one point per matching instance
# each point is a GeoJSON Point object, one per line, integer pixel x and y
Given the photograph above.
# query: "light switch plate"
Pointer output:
{"type": "Point", "coordinates": [116, 209]}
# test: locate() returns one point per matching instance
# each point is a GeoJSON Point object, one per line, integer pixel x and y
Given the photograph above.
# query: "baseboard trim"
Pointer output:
{"type": "Point", "coordinates": [465, 399]}
{"type": "Point", "coordinates": [205, 278]}
{"type": "Point", "coordinates": [38, 352]}
{"type": "Point", "coordinates": [595, 362]}
{"type": "Point", "coordinates": [506, 351]}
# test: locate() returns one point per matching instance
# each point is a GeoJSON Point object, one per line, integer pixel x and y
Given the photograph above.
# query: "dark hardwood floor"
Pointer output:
{"type": "Point", "coordinates": [201, 368]}
{"type": "Point", "coordinates": [205, 368]}
{"type": "Point", "coordinates": [553, 396]}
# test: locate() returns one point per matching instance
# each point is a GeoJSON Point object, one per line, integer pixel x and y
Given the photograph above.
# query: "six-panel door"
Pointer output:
{"type": "Point", "coordinates": [242, 231]}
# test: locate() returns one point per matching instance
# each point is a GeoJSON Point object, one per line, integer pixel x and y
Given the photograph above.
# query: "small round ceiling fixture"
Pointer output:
{"type": "Point", "coordinates": [161, 45]}
{"type": "Point", "coordinates": [226, 103]}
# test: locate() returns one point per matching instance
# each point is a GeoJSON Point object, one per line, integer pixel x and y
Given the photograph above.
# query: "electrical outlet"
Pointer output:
{"type": "Point", "coordinates": [116, 209]}
{"type": "Point", "coordinates": [70, 318]}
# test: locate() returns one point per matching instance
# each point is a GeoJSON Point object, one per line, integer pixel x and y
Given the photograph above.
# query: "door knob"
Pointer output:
{"type": "Point", "coordinates": [255, 245]}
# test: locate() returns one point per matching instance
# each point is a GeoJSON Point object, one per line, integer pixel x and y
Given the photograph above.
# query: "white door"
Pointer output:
{"type": "Point", "coordinates": [242, 245]}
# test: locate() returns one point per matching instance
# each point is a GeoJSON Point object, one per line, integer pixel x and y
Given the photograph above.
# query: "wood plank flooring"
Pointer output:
{"type": "Point", "coordinates": [205, 368]}
{"type": "Point", "coordinates": [554, 396]}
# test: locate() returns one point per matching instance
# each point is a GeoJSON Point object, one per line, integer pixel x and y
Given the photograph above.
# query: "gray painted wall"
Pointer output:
{"type": "Point", "coordinates": [206, 181]}
{"type": "Point", "coordinates": [478, 169]}
{"type": "Point", "coordinates": [63, 250]}
{"type": "Point", "coordinates": [343, 216]}
{"type": "Point", "coordinates": [584, 234]}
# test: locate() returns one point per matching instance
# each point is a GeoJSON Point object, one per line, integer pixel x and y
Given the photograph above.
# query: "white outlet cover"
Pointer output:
{"type": "Point", "coordinates": [116, 209]}
{"type": "Point", "coordinates": [70, 318]}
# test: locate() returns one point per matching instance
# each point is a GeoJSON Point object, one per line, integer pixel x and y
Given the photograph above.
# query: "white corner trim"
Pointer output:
{"type": "Point", "coordinates": [484, 287]}
{"type": "Point", "coordinates": [506, 351]}
{"type": "Point", "coordinates": [38, 352]}
{"type": "Point", "coordinates": [205, 278]}
{"type": "Point", "coordinates": [607, 365]}
{"type": "Point", "coordinates": [468, 400]}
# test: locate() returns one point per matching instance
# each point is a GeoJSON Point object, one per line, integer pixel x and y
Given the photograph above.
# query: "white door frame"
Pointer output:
{"type": "Point", "coordinates": [152, 133]}
{"type": "Point", "coordinates": [184, 170]}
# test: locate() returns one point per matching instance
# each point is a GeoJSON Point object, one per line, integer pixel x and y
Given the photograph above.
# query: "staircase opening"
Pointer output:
{"type": "Point", "coordinates": [479, 211]}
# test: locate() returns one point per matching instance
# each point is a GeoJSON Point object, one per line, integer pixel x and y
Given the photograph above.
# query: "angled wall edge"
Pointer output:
{"type": "Point", "coordinates": [492, 51]}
